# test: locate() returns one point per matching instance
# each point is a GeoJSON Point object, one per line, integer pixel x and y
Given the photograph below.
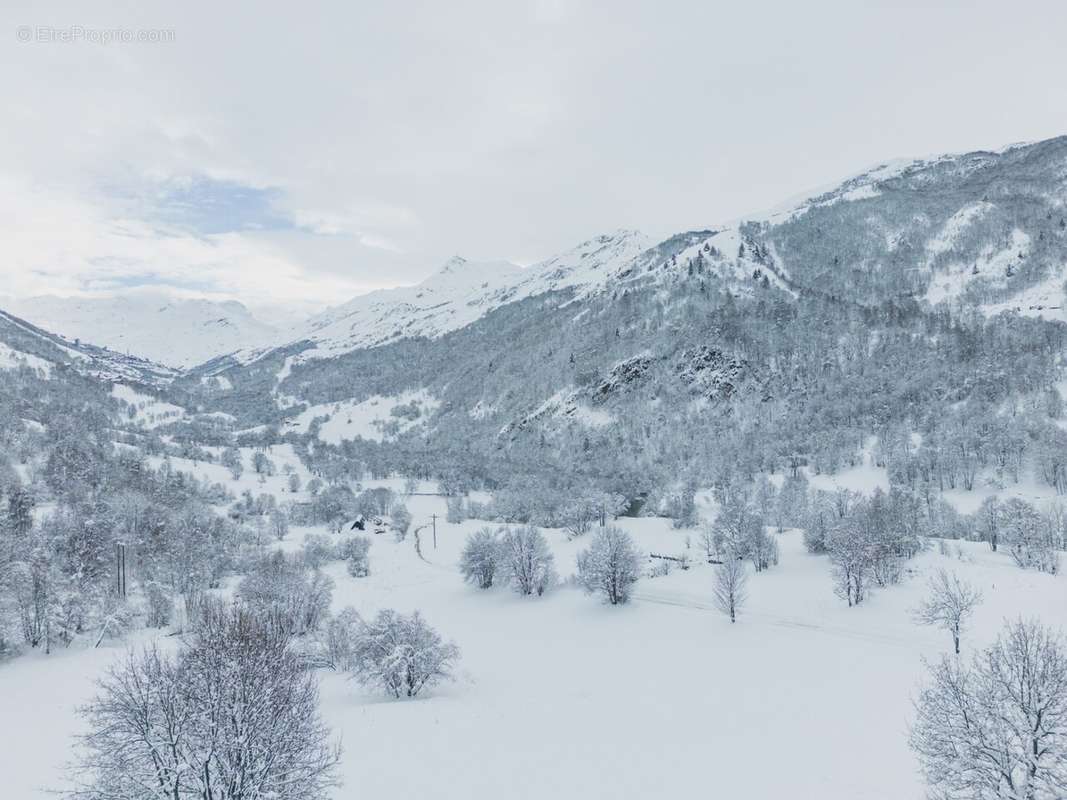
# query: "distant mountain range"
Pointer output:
{"type": "Point", "coordinates": [178, 333]}
{"type": "Point", "coordinates": [623, 333]}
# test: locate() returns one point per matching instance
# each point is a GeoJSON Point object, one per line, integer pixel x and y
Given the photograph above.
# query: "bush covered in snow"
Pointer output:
{"type": "Point", "coordinates": [356, 553]}
{"type": "Point", "coordinates": [526, 561]}
{"type": "Point", "coordinates": [401, 654]}
{"type": "Point", "coordinates": [481, 559]}
{"type": "Point", "coordinates": [318, 550]}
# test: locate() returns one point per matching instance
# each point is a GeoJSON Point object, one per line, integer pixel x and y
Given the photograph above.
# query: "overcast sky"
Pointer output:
{"type": "Point", "coordinates": [301, 159]}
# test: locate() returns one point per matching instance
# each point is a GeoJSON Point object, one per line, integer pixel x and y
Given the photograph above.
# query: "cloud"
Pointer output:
{"type": "Point", "coordinates": [56, 245]}
{"type": "Point", "coordinates": [364, 143]}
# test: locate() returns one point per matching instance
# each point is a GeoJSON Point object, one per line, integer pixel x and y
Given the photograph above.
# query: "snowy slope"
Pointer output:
{"type": "Point", "coordinates": [460, 293]}
{"type": "Point", "coordinates": [176, 332]}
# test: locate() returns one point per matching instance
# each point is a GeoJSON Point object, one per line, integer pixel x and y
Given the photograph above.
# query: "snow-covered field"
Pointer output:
{"type": "Point", "coordinates": [565, 697]}
{"type": "Point", "coordinates": [367, 419]}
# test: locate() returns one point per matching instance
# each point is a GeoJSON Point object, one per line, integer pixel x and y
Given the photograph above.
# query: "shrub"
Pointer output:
{"type": "Point", "coordinates": [480, 561]}
{"type": "Point", "coordinates": [357, 556]}
{"type": "Point", "coordinates": [319, 549]}
{"type": "Point", "coordinates": [401, 655]}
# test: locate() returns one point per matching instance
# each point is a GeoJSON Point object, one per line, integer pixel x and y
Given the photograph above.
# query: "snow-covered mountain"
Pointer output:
{"type": "Point", "coordinates": [458, 294]}
{"type": "Point", "coordinates": [176, 332]}
{"type": "Point", "coordinates": [23, 344]}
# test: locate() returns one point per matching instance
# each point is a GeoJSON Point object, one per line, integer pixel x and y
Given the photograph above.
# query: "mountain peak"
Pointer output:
{"type": "Point", "coordinates": [453, 265]}
{"type": "Point", "coordinates": [459, 270]}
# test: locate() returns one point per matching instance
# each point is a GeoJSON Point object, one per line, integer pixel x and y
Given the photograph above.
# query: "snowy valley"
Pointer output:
{"type": "Point", "coordinates": [639, 519]}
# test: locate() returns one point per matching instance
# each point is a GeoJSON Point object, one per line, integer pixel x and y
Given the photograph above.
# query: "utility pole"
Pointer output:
{"type": "Point", "coordinates": [434, 518]}
{"type": "Point", "coordinates": [120, 569]}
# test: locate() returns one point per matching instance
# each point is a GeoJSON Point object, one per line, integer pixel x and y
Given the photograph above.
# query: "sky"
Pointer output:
{"type": "Point", "coordinates": [290, 157]}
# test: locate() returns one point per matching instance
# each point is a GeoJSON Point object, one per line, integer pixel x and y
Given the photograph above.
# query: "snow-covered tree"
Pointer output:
{"type": "Point", "coordinates": [400, 520]}
{"type": "Point", "coordinates": [356, 552]}
{"type": "Point", "coordinates": [280, 588]}
{"type": "Point", "coordinates": [319, 549]}
{"type": "Point", "coordinates": [1029, 538]}
{"type": "Point", "coordinates": [526, 561]}
{"type": "Point", "coordinates": [160, 605]}
{"type": "Point", "coordinates": [234, 714]}
{"type": "Point", "coordinates": [579, 515]}
{"type": "Point", "coordinates": [989, 521]}
{"type": "Point", "coordinates": [337, 640]}
{"type": "Point", "coordinates": [231, 459]}
{"type": "Point", "coordinates": [262, 464]}
{"type": "Point", "coordinates": [401, 654]}
{"type": "Point", "coordinates": [279, 524]}
{"type": "Point", "coordinates": [610, 566]}
{"type": "Point", "coordinates": [997, 728]}
{"type": "Point", "coordinates": [481, 558]}
{"type": "Point", "coordinates": [850, 557]}
{"type": "Point", "coordinates": [949, 605]}
{"type": "Point", "coordinates": [740, 531]}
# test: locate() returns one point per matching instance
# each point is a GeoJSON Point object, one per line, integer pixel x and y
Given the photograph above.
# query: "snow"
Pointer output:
{"type": "Point", "coordinates": [864, 478]}
{"type": "Point", "coordinates": [565, 405]}
{"type": "Point", "coordinates": [992, 265]}
{"type": "Point", "coordinates": [12, 359]}
{"type": "Point", "coordinates": [150, 412]}
{"type": "Point", "coordinates": [736, 271]}
{"type": "Point", "coordinates": [858, 186]}
{"type": "Point", "coordinates": [951, 231]}
{"type": "Point", "coordinates": [351, 419]}
{"type": "Point", "coordinates": [221, 381]}
{"type": "Point", "coordinates": [1029, 488]}
{"type": "Point", "coordinates": [563, 696]}
{"type": "Point", "coordinates": [282, 455]}
{"type": "Point", "coordinates": [1045, 299]}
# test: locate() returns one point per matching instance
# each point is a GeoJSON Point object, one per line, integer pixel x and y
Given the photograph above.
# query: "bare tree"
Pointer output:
{"type": "Point", "coordinates": [997, 728]}
{"type": "Point", "coordinates": [950, 604]}
{"type": "Point", "coordinates": [730, 582]}
{"type": "Point", "coordinates": [850, 558]}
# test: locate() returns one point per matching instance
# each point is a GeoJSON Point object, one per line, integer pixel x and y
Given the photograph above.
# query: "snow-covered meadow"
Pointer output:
{"type": "Point", "coordinates": [566, 696]}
